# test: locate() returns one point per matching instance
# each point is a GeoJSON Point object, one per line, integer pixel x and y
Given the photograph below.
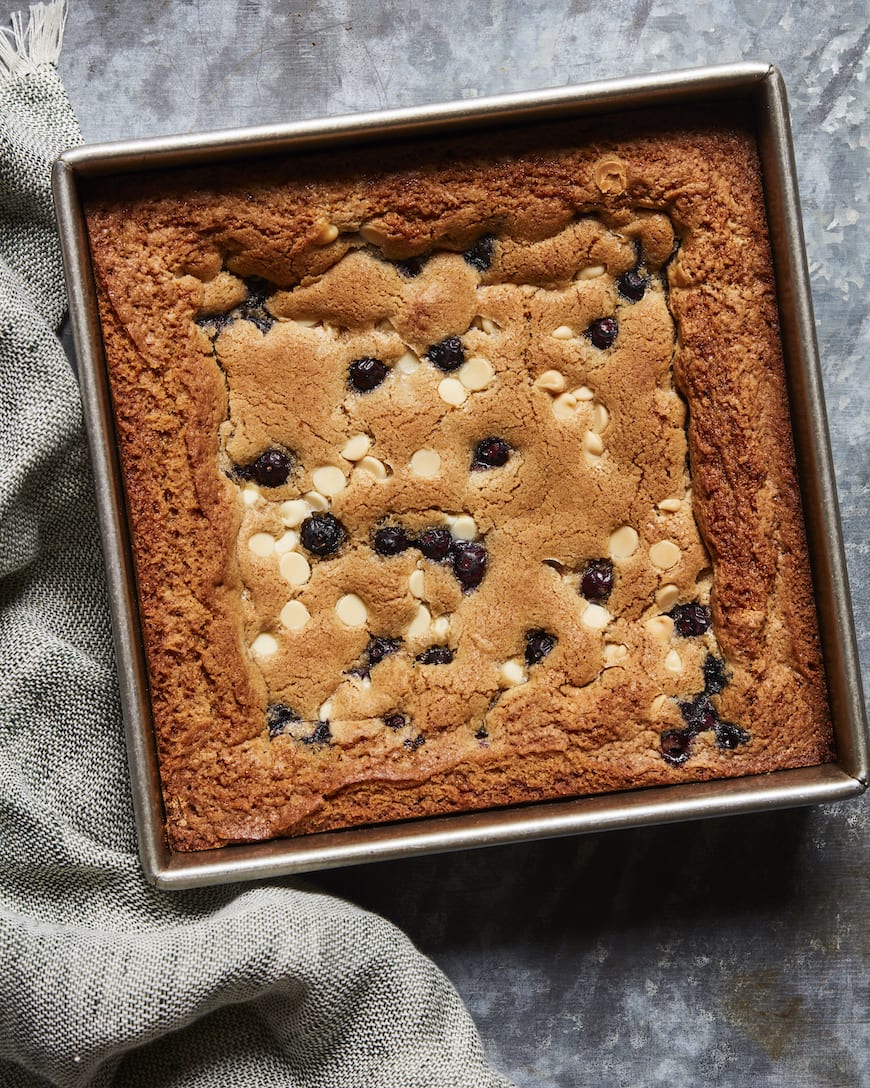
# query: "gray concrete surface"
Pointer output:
{"type": "Point", "coordinates": [729, 952]}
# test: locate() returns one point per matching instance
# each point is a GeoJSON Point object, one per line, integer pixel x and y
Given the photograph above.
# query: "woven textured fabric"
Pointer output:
{"type": "Point", "coordinates": [103, 979]}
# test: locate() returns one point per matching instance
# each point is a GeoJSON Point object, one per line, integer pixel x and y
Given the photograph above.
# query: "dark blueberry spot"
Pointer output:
{"type": "Point", "coordinates": [412, 744]}
{"type": "Point", "coordinates": [410, 267]}
{"type": "Point", "coordinates": [279, 718]}
{"type": "Point", "coordinates": [395, 721]}
{"type": "Point", "coordinates": [691, 619]}
{"type": "Point", "coordinates": [632, 285]}
{"type": "Point", "coordinates": [469, 563]}
{"type": "Point", "coordinates": [358, 673]}
{"type": "Point", "coordinates": [253, 309]}
{"type": "Point", "coordinates": [715, 675]}
{"type": "Point", "coordinates": [391, 540]}
{"type": "Point", "coordinates": [491, 453]}
{"type": "Point", "coordinates": [596, 581]}
{"type": "Point", "coordinates": [729, 735]}
{"type": "Point", "coordinates": [481, 733]}
{"type": "Point", "coordinates": [322, 534]}
{"type": "Point", "coordinates": [367, 374]}
{"type": "Point", "coordinates": [271, 468]}
{"type": "Point", "coordinates": [242, 472]}
{"type": "Point", "coordinates": [675, 744]}
{"type": "Point", "coordinates": [479, 256]}
{"type": "Point", "coordinates": [602, 332]}
{"type": "Point", "coordinates": [699, 714]}
{"type": "Point", "coordinates": [435, 544]}
{"type": "Point", "coordinates": [215, 323]}
{"type": "Point", "coordinates": [436, 655]}
{"type": "Point", "coordinates": [448, 355]}
{"type": "Point", "coordinates": [320, 735]}
{"type": "Point", "coordinates": [379, 648]}
{"type": "Point", "coordinates": [538, 645]}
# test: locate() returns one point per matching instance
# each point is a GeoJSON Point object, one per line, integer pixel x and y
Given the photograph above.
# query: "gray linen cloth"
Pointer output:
{"type": "Point", "coordinates": [104, 980]}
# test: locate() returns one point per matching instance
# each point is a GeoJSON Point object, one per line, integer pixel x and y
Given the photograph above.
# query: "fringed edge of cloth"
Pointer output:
{"type": "Point", "coordinates": [26, 46]}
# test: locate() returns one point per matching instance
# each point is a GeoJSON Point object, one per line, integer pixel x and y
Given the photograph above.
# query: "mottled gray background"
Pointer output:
{"type": "Point", "coordinates": [729, 952]}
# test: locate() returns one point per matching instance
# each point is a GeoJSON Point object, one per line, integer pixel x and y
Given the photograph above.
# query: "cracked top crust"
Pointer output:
{"type": "Point", "coordinates": [458, 479]}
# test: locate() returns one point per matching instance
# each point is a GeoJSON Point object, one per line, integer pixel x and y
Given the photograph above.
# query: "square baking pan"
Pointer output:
{"type": "Point", "coordinates": [758, 91]}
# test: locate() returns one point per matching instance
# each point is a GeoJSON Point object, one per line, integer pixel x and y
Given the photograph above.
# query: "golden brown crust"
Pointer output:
{"type": "Point", "coordinates": [205, 377]}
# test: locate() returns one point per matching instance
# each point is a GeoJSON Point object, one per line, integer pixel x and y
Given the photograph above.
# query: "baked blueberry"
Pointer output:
{"type": "Point", "coordinates": [435, 543]}
{"type": "Point", "coordinates": [469, 563]}
{"type": "Point", "coordinates": [448, 354]}
{"type": "Point", "coordinates": [491, 453]}
{"type": "Point", "coordinates": [481, 734]}
{"type": "Point", "coordinates": [379, 648]}
{"type": "Point", "coordinates": [436, 655]}
{"type": "Point", "coordinates": [675, 745]}
{"type": "Point", "coordinates": [479, 255]}
{"type": "Point", "coordinates": [367, 374]}
{"type": "Point", "coordinates": [322, 534]}
{"type": "Point", "coordinates": [215, 323]}
{"type": "Point", "coordinates": [271, 468]}
{"type": "Point", "coordinates": [413, 743]}
{"type": "Point", "coordinates": [279, 718]}
{"type": "Point", "coordinates": [253, 309]}
{"type": "Point", "coordinates": [538, 645]}
{"type": "Point", "coordinates": [691, 619]}
{"type": "Point", "coordinates": [715, 675]}
{"type": "Point", "coordinates": [699, 714]}
{"type": "Point", "coordinates": [321, 734]}
{"type": "Point", "coordinates": [395, 720]}
{"type": "Point", "coordinates": [596, 581]}
{"type": "Point", "coordinates": [410, 267]}
{"type": "Point", "coordinates": [729, 735]}
{"type": "Point", "coordinates": [632, 285]}
{"type": "Point", "coordinates": [602, 332]}
{"type": "Point", "coordinates": [391, 540]}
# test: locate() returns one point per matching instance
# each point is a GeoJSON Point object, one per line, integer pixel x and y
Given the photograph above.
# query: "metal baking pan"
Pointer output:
{"type": "Point", "coordinates": [760, 91]}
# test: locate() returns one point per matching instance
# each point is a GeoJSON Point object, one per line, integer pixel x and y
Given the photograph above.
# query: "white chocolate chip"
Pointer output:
{"type": "Point", "coordinates": [583, 393]}
{"type": "Point", "coordinates": [306, 322]}
{"type": "Point", "coordinates": [664, 554]}
{"type": "Point", "coordinates": [462, 526]}
{"type": "Point", "coordinates": [564, 332]}
{"type": "Point", "coordinates": [293, 512]}
{"type": "Point", "coordinates": [552, 381]}
{"type": "Point", "coordinates": [670, 506]}
{"type": "Point", "coordinates": [591, 272]}
{"type": "Point", "coordinates": [593, 444]}
{"type": "Point", "coordinates": [426, 463]}
{"type": "Point", "coordinates": [476, 373]}
{"type": "Point", "coordinates": [419, 625]}
{"type": "Point", "coordinates": [356, 447]}
{"type": "Point", "coordinates": [673, 662]}
{"type": "Point", "coordinates": [407, 363]}
{"type": "Point", "coordinates": [595, 617]}
{"type": "Point", "coordinates": [661, 628]}
{"type": "Point", "coordinates": [264, 645]}
{"type": "Point", "coordinates": [452, 391]}
{"type": "Point", "coordinates": [614, 653]}
{"type": "Point", "coordinates": [373, 467]}
{"type": "Point", "coordinates": [372, 234]}
{"type": "Point", "coordinates": [294, 568]}
{"type": "Point", "coordinates": [385, 325]}
{"type": "Point", "coordinates": [294, 615]}
{"type": "Point", "coordinates": [488, 326]}
{"type": "Point", "coordinates": [351, 610]}
{"type": "Point", "coordinates": [512, 672]}
{"type": "Point", "coordinates": [564, 406]}
{"type": "Point", "coordinates": [286, 542]}
{"type": "Point", "coordinates": [262, 544]}
{"type": "Point", "coordinates": [600, 418]}
{"type": "Point", "coordinates": [328, 480]}
{"type": "Point", "coordinates": [623, 542]}
{"type": "Point", "coordinates": [416, 584]}
{"type": "Point", "coordinates": [325, 712]}
{"type": "Point", "coordinates": [250, 494]}
{"type": "Point", "coordinates": [326, 235]}
{"type": "Point", "coordinates": [658, 705]}
{"type": "Point", "coordinates": [441, 627]}
{"type": "Point", "coordinates": [667, 596]}
{"type": "Point", "coordinates": [317, 501]}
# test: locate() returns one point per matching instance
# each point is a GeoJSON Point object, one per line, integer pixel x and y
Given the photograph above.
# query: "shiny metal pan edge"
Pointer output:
{"type": "Point", "coordinates": [758, 83]}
